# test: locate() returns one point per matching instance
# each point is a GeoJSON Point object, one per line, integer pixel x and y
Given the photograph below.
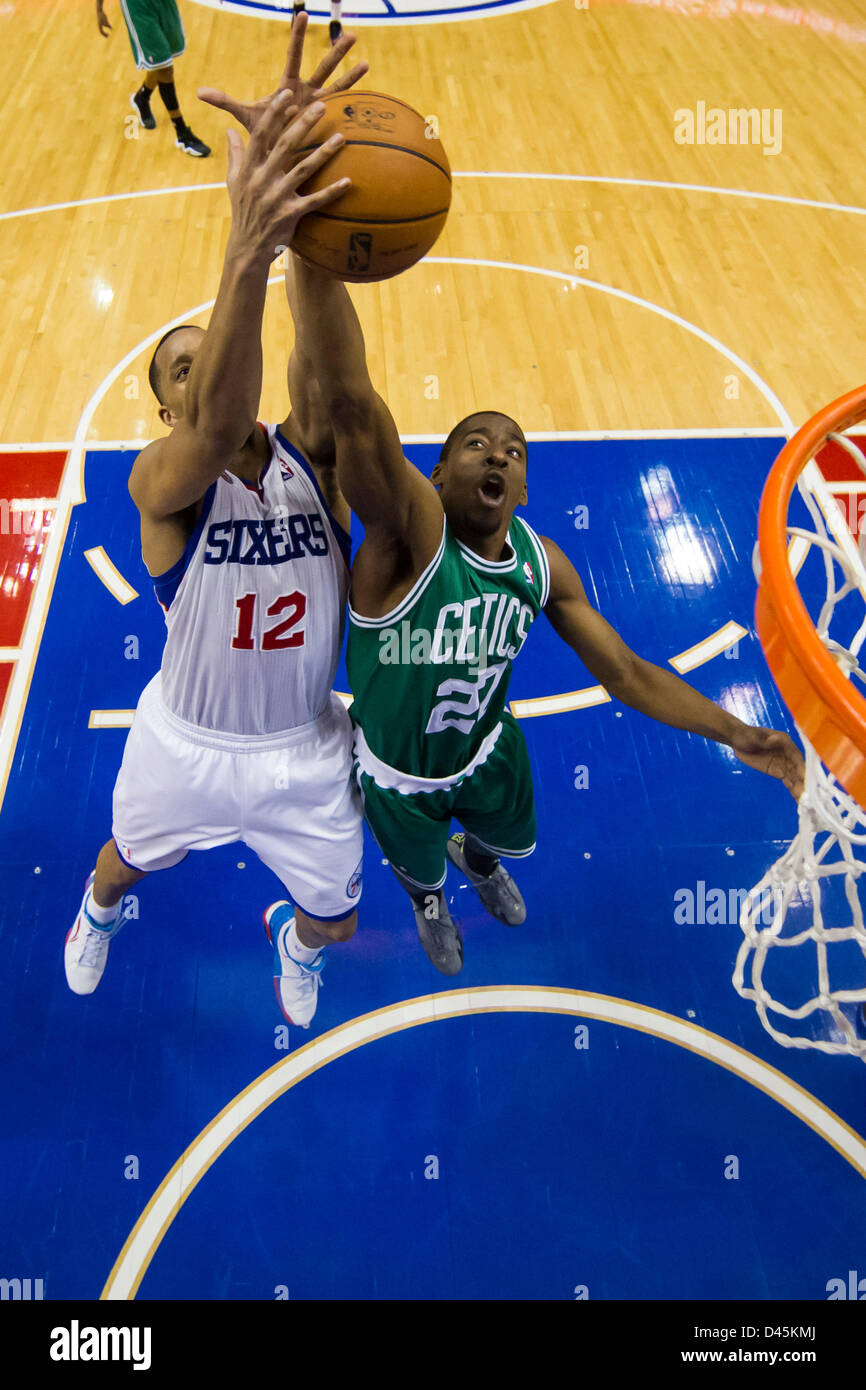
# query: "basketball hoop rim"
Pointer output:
{"type": "Point", "coordinates": [803, 669]}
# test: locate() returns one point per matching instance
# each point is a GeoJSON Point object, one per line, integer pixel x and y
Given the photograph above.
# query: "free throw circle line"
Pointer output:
{"type": "Point", "coordinates": [144, 1240]}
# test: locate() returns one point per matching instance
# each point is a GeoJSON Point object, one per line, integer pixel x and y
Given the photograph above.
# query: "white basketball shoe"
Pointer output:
{"type": "Point", "coordinates": [296, 985]}
{"type": "Point", "coordinates": [86, 948]}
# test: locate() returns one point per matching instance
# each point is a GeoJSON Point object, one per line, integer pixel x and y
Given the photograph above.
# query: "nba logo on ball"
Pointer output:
{"type": "Point", "coordinates": [353, 887]}
{"type": "Point", "coordinates": [527, 570]}
{"type": "Point", "coordinates": [360, 246]}
{"type": "Point", "coordinates": [397, 203]}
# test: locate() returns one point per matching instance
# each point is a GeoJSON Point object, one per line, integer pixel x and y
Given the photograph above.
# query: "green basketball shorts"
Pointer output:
{"type": "Point", "coordinates": [155, 32]}
{"type": "Point", "coordinates": [495, 804]}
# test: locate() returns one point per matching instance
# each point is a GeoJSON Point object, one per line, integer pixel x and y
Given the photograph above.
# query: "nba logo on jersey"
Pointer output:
{"type": "Point", "coordinates": [286, 470]}
{"type": "Point", "coordinates": [527, 570]}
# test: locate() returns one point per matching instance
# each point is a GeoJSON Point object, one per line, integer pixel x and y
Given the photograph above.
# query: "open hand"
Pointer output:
{"type": "Point", "coordinates": [249, 114]}
{"type": "Point", "coordinates": [263, 179]}
{"type": "Point", "coordinates": [772, 752]}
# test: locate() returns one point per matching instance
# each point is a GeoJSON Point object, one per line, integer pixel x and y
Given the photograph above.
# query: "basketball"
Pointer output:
{"type": "Point", "coordinates": [400, 193]}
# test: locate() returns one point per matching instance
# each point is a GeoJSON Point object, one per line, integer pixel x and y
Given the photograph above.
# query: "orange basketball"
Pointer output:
{"type": "Point", "coordinates": [400, 193]}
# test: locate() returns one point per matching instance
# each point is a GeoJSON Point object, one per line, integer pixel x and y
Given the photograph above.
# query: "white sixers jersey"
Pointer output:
{"type": "Point", "coordinates": [255, 605]}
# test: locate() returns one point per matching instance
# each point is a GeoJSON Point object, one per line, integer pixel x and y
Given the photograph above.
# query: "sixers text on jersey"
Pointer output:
{"type": "Point", "coordinates": [255, 605]}
{"type": "Point", "coordinates": [269, 541]}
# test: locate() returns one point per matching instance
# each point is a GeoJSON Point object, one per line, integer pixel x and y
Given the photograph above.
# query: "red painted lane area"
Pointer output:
{"type": "Point", "coordinates": [838, 466]}
{"type": "Point", "coordinates": [30, 475]}
{"type": "Point", "coordinates": [23, 536]}
{"type": "Point", "coordinates": [21, 551]}
{"type": "Point", "coordinates": [6, 670]}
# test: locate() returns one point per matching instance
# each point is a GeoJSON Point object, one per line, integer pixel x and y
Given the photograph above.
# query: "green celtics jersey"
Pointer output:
{"type": "Point", "coordinates": [430, 678]}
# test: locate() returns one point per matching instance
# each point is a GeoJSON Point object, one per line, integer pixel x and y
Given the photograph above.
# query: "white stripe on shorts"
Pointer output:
{"type": "Point", "coordinates": [392, 779]}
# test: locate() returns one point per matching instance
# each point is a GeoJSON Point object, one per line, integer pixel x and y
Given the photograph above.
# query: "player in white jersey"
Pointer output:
{"type": "Point", "coordinates": [245, 532]}
{"type": "Point", "coordinates": [254, 604]}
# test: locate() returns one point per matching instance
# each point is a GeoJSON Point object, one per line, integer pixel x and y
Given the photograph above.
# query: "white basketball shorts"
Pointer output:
{"type": "Point", "coordinates": [289, 796]}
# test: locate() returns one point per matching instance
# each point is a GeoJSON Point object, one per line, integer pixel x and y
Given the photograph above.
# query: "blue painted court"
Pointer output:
{"type": "Point", "coordinates": [521, 1143]}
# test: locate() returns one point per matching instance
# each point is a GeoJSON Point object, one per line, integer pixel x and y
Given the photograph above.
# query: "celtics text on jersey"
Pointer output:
{"type": "Point", "coordinates": [430, 678]}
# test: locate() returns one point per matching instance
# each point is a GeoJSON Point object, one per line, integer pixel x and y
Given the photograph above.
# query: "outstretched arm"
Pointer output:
{"type": "Point", "coordinates": [388, 494]}
{"type": "Point", "coordinates": [653, 690]}
{"type": "Point", "coordinates": [222, 393]}
{"type": "Point", "coordinates": [308, 426]}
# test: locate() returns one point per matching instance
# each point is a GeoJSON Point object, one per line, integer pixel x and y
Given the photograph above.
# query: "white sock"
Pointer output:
{"type": "Point", "coordinates": [304, 955]}
{"type": "Point", "coordinates": [336, 7]}
{"type": "Point", "coordinates": [101, 916]}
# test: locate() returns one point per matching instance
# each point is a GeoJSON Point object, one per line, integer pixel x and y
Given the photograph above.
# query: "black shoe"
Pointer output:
{"type": "Point", "coordinates": [191, 143]}
{"type": "Point", "coordinates": [335, 30]}
{"type": "Point", "coordinates": [298, 9]}
{"type": "Point", "coordinates": [440, 936]}
{"type": "Point", "coordinates": [140, 102]}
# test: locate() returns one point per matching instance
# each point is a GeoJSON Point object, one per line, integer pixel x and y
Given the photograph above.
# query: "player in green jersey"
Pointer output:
{"type": "Point", "coordinates": [157, 38]}
{"type": "Point", "coordinates": [444, 589]}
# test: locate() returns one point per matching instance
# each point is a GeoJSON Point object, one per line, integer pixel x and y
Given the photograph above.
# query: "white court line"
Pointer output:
{"type": "Point", "coordinates": [560, 704]}
{"type": "Point", "coordinates": [614, 181]}
{"type": "Point", "coordinates": [760, 385]}
{"type": "Point", "coordinates": [711, 646]}
{"type": "Point", "coordinates": [664, 183]}
{"type": "Point", "coordinates": [143, 1241]}
{"type": "Point", "coordinates": [110, 718]}
{"type": "Point", "coordinates": [110, 575]}
{"type": "Point", "coordinates": [106, 198]}
{"type": "Point", "coordinates": [533, 437]}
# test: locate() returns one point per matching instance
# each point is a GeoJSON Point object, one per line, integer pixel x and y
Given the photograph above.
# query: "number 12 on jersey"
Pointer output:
{"type": "Point", "coordinates": [277, 637]}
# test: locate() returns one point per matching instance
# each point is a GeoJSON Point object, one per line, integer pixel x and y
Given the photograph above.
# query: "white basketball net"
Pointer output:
{"type": "Point", "coordinates": [812, 893]}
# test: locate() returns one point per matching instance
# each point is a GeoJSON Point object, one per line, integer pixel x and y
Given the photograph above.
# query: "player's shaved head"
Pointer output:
{"type": "Point", "coordinates": [476, 421]}
{"type": "Point", "coordinates": [158, 360]}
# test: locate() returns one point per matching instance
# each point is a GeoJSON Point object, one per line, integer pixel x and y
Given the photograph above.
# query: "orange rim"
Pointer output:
{"type": "Point", "coordinates": [824, 704]}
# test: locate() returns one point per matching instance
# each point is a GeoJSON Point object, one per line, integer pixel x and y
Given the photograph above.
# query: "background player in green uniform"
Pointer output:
{"type": "Point", "coordinates": [335, 28]}
{"type": "Point", "coordinates": [444, 588]}
{"type": "Point", "coordinates": [157, 38]}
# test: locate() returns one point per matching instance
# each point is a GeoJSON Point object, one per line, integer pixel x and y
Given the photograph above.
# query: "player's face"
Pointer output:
{"type": "Point", "coordinates": [484, 477]}
{"type": "Point", "coordinates": [175, 359]}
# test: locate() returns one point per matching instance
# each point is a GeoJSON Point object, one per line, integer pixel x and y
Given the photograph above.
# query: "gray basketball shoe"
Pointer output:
{"type": "Point", "coordinates": [498, 892]}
